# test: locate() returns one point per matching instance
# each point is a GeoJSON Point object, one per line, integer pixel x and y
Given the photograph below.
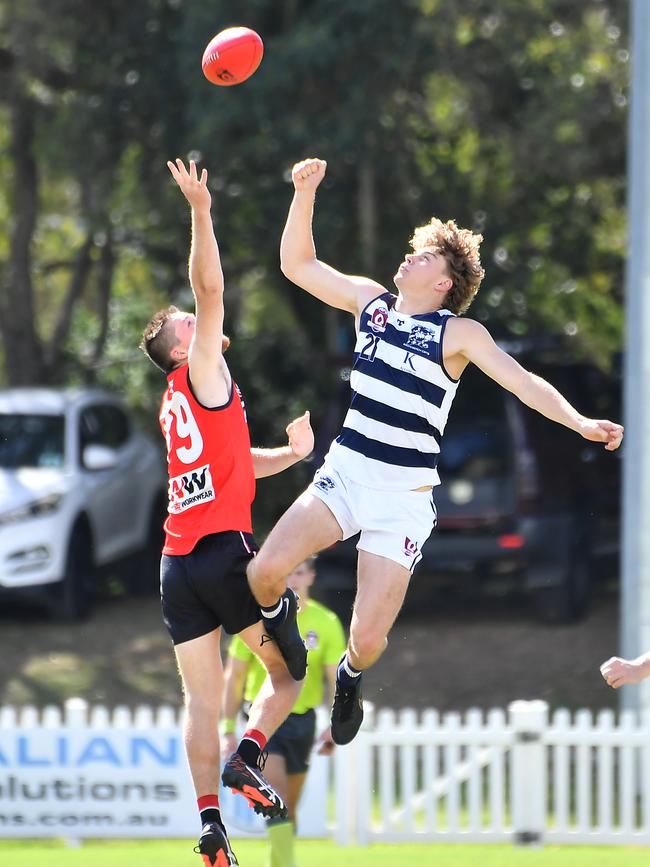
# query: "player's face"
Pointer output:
{"type": "Point", "coordinates": [301, 578]}
{"type": "Point", "coordinates": [421, 271]}
{"type": "Point", "coordinates": [184, 325]}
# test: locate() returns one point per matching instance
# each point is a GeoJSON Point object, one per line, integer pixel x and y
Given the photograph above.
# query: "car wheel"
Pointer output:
{"type": "Point", "coordinates": [143, 577]}
{"type": "Point", "coordinates": [73, 598]}
{"type": "Point", "coordinates": [567, 601]}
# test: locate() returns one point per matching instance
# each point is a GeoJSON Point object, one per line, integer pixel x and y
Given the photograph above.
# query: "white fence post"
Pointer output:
{"type": "Point", "coordinates": [528, 772]}
{"type": "Point", "coordinates": [345, 786]}
{"type": "Point", "coordinates": [353, 797]}
{"type": "Point", "coordinates": [76, 713]}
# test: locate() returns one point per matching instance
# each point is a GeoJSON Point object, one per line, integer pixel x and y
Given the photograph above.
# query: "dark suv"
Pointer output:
{"type": "Point", "coordinates": [522, 498]}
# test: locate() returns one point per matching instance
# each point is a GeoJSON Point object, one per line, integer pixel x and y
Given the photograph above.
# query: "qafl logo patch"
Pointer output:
{"type": "Point", "coordinates": [378, 319]}
{"type": "Point", "coordinates": [311, 640]}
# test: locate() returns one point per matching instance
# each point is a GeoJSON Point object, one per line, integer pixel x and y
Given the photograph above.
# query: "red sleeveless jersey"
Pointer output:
{"type": "Point", "coordinates": [211, 478]}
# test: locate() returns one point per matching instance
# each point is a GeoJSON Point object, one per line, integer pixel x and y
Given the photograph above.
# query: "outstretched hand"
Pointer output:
{"type": "Point", "coordinates": [602, 431]}
{"type": "Point", "coordinates": [301, 436]}
{"type": "Point", "coordinates": [308, 174]}
{"type": "Point", "coordinates": [194, 189]}
{"type": "Point", "coordinates": [617, 672]}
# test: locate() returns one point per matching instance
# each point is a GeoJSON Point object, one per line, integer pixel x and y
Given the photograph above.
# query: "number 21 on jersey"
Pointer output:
{"type": "Point", "coordinates": [369, 349]}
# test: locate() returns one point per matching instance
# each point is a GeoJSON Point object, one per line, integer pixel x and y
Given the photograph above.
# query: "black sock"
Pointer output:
{"type": "Point", "coordinates": [209, 810]}
{"type": "Point", "coordinates": [346, 674]}
{"type": "Point", "coordinates": [212, 814]}
{"type": "Point", "coordinates": [274, 614]}
{"type": "Point", "coordinates": [250, 746]}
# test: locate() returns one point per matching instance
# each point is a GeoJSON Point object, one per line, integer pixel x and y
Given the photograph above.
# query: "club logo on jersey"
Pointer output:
{"type": "Point", "coordinates": [311, 640]}
{"type": "Point", "coordinates": [378, 319]}
{"type": "Point", "coordinates": [410, 548]}
{"type": "Point", "coordinates": [190, 489]}
{"type": "Point", "coordinates": [325, 484]}
{"type": "Point", "coordinates": [420, 338]}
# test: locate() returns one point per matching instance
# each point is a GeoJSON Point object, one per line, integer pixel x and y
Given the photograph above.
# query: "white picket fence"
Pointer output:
{"type": "Point", "coordinates": [520, 776]}
{"type": "Point", "coordinates": [80, 772]}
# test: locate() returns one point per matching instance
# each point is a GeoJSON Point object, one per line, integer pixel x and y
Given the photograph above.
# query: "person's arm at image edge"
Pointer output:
{"type": "Point", "coordinates": [619, 672]}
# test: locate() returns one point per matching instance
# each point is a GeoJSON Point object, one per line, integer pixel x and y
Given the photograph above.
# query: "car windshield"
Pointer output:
{"type": "Point", "coordinates": [31, 441]}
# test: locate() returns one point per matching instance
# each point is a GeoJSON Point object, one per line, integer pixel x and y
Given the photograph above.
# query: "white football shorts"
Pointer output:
{"type": "Point", "coordinates": [393, 524]}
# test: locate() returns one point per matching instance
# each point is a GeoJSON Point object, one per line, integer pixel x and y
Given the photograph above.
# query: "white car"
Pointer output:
{"type": "Point", "coordinates": [81, 491]}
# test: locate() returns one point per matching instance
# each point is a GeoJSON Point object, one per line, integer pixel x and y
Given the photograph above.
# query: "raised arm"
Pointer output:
{"type": "Point", "coordinates": [473, 342]}
{"type": "Point", "coordinates": [298, 253]}
{"type": "Point", "coordinates": [268, 462]}
{"type": "Point", "coordinates": [208, 371]}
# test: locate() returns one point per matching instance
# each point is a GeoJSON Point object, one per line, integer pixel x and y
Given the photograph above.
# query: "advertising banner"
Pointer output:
{"type": "Point", "coordinates": [126, 776]}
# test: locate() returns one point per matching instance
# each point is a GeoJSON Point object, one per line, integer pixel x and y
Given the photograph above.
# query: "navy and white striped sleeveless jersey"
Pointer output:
{"type": "Point", "coordinates": [401, 397]}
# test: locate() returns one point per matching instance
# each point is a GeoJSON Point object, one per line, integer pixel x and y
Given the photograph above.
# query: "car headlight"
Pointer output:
{"type": "Point", "coordinates": [43, 506]}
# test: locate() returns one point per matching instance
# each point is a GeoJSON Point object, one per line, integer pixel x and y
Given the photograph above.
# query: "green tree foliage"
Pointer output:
{"type": "Point", "coordinates": [77, 106]}
{"type": "Point", "coordinates": [526, 122]}
{"type": "Point", "coordinates": [509, 117]}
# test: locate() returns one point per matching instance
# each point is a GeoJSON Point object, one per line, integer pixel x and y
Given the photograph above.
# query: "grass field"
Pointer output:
{"type": "Point", "coordinates": [251, 853]}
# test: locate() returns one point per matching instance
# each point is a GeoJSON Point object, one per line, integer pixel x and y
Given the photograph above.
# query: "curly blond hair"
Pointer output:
{"type": "Point", "coordinates": [460, 249]}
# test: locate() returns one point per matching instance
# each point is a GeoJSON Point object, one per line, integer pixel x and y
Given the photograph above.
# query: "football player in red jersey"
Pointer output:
{"type": "Point", "coordinates": [208, 533]}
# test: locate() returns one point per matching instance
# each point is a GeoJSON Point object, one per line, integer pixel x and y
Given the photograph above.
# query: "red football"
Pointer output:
{"type": "Point", "coordinates": [232, 56]}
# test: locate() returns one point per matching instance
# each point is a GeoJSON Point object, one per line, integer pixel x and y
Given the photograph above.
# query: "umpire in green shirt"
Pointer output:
{"type": "Point", "coordinates": [290, 747]}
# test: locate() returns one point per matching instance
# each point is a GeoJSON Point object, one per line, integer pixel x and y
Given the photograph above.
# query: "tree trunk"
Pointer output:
{"type": "Point", "coordinates": [104, 286]}
{"type": "Point", "coordinates": [22, 347]}
{"type": "Point", "coordinates": [78, 279]}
